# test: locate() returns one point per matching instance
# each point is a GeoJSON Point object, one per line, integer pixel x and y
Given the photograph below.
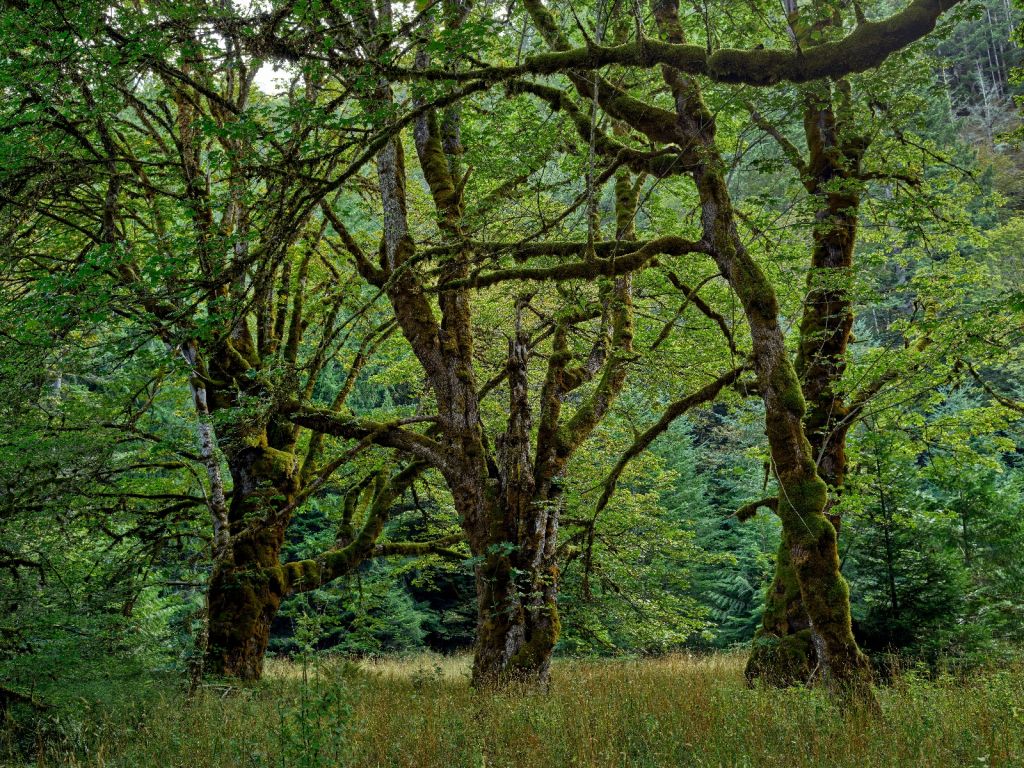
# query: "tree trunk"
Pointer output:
{"type": "Point", "coordinates": [783, 652]}
{"type": "Point", "coordinates": [517, 583]}
{"type": "Point", "coordinates": [785, 647]}
{"type": "Point", "coordinates": [517, 623]}
{"type": "Point", "coordinates": [242, 601]}
{"type": "Point", "coordinates": [810, 536]}
{"type": "Point", "coordinates": [247, 587]}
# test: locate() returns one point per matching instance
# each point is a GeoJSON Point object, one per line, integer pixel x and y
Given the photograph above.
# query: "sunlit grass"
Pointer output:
{"type": "Point", "coordinates": [676, 711]}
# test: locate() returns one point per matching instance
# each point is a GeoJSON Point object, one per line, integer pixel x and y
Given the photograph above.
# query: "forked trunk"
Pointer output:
{"type": "Point", "coordinates": [784, 651]}
{"type": "Point", "coordinates": [803, 496]}
{"type": "Point", "coordinates": [517, 582]}
{"type": "Point", "coordinates": [786, 648]}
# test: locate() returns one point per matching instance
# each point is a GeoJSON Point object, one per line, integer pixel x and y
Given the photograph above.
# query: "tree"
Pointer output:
{"type": "Point", "coordinates": [158, 165]}
{"type": "Point", "coordinates": [810, 539]}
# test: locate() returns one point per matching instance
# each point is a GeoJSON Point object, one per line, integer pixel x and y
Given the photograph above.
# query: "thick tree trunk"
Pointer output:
{"type": "Point", "coordinates": [814, 557]}
{"type": "Point", "coordinates": [517, 583]}
{"type": "Point", "coordinates": [517, 624]}
{"type": "Point", "coordinates": [242, 601]}
{"type": "Point", "coordinates": [247, 587]}
{"type": "Point", "coordinates": [803, 494]}
{"type": "Point", "coordinates": [500, 621]}
{"type": "Point", "coordinates": [785, 648]}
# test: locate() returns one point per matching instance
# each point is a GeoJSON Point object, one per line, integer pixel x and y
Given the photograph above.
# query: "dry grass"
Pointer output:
{"type": "Point", "coordinates": [677, 711]}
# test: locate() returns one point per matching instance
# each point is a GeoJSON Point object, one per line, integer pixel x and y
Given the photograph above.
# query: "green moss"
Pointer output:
{"type": "Point", "coordinates": [792, 399]}
{"type": "Point", "coordinates": [781, 661]}
{"type": "Point", "coordinates": [277, 578]}
{"type": "Point", "coordinates": [297, 574]}
{"type": "Point", "coordinates": [273, 464]}
{"type": "Point", "coordinates": [731, 65]}
{"type": "Point", "coordinates": [336, 562]}
{"type": "Point", "coordinates": [536, 652]}
{"type": "Point", "coordinates": [783, 603]}
{"type": "Point", "coordinates": [810, 495]}
{"type": "Point", "coordinates": [839, 592]}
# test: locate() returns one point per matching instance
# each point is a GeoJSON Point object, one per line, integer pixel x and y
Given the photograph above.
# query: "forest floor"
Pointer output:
{"type": "Point", "coordinates": [420, 712]}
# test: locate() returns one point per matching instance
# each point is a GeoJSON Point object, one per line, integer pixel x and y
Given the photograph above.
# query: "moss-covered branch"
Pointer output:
{"type": "Point", "coordinates": [789, 149]}
{"type": "Point", "coordinates": [748, 510]}
{"type": "Point", "coordinates": [440, 547]}
{"type": "Point", "coordinates": [305, 575]}
{"type": "Point", "coordinates": [693, 297]}
{"type": "Point", "coordinates": [367, 270]}
{"type": "Point", "coordinates": [389, 434]}
{"type": "Point", "coordinates": [611, 266]}
{"type": "Point", "coordinates": [1003, 400]}
{"type": "Point", "coordinates": [613, 373]}
{"type": "Point", "coordinates": [866, 47]}
{"type": "Point", "coordinates": [667, 162]}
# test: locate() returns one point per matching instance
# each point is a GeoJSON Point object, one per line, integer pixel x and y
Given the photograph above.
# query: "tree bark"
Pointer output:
{"type": "Point", "coordinates": [517, 621]}
{"type": "Point", "coordinates": [808, 536]}
{"type": "Point", "coordinates": [242, 601]}
{"type": "Point", "coordinates": [517, 583]}
{"type": "Point", "coordinates": [247, 587]}
{"type": "Point", "coordinates": [785, 647]}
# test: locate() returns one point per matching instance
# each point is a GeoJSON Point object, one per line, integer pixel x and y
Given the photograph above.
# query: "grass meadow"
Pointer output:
{"type": "Point", "coordinates": [420, 712]}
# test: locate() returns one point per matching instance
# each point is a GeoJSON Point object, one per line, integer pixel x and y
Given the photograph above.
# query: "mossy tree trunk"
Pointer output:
{"type": "Point", "coordinates": [689, 130]}
{"type": "Point", "coordinates": [517, 619]}
{"type": "Point", "coordinates": [506, 490]}
{"type": "Point", "coordinates": [785, 648]}
{"type": "Point", "coordinates": [245, 589]}
{"type": "Point", "coordinates": [809, 536]}
{"type": "Point", "coordinates": [248, 280]}
{"type": "Point", "coordinates": [821, 361]}
{"type": "Point", "coordinates": [517, 610]}
{"type": "Point", "coordinates": [262, 315]}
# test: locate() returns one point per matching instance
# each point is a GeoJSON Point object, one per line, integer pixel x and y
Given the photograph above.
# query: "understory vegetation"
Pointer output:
{"type": "Point", "coordinates": [420, 712]}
